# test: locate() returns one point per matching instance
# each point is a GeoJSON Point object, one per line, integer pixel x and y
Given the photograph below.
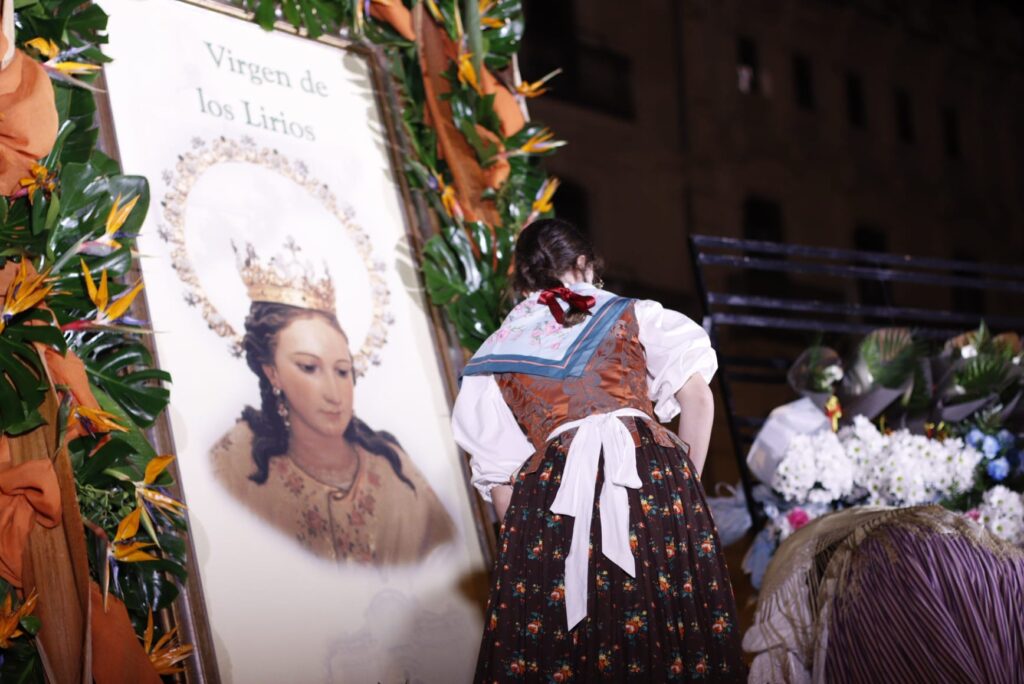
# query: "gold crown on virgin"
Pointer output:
{"type": "Point", "coordinates": [285, 279]}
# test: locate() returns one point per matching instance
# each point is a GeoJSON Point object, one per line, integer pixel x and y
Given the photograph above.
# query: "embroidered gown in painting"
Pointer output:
{"type": "Point", "coordinates": [676, 619]}
{"type": "Point", "coordinates": [379, 521]}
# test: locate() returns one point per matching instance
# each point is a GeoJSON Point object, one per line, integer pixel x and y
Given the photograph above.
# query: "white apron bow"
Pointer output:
{"type": "Point", "coordinates": [576, 498]}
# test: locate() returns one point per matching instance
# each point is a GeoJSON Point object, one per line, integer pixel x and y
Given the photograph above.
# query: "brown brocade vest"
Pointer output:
{"type": "Point", "coordinates": [614, 378]}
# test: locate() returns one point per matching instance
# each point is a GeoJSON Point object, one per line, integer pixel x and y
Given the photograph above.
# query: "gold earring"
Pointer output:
{"type": "Point", "coordinates": [282, 408]}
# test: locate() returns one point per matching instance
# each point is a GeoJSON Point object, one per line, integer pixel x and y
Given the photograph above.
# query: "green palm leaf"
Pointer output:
{"type": "Point", "coordinates": [891, 356]}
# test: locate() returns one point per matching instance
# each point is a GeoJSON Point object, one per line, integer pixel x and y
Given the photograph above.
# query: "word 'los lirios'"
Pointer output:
{"type": "Point", "coordinates": [252, 114]}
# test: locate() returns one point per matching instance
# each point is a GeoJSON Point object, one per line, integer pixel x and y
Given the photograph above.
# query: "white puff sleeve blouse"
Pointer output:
{"type": "Point", "coordinates": [486, 428]}
{"type": "Point", "coordinates": [676, 347]}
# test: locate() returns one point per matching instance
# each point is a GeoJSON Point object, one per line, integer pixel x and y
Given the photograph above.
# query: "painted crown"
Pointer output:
{"type": "Point", "coordinates": [285, 279]}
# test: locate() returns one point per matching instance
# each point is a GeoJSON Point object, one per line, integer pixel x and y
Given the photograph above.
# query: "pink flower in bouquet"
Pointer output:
{"type": "Point", "coordinates": [797, 518]}
{"type": "Point", "coordinates": [974, 514]}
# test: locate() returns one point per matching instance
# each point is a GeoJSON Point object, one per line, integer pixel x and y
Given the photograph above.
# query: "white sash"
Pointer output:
{"type": "Point", "coordinates": [576, 498]}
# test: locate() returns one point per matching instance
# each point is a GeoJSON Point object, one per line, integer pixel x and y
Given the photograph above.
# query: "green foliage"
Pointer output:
{"type": "Point", "coordinates": [23, 382]}
{"type": "Point", "coordinates": [988, 369]}
{"type": "Point", "coordinates": [501, 43]}
{"type": "Point", "coordinates": [465, 266]}
{"type": "Point", "coordinates": [973, 380]}
{"type": "Point", "coordinates": [891, 356]}
{"type": "Point", "coordinates": [123, 368]}
{"type": "Point", "coordinates": [315, 16]}
{"type": "Point", "coordinates": [62, 224]}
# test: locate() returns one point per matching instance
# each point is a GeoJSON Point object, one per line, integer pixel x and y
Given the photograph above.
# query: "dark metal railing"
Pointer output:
{"type": "Point", "coordinates": [741, 321]}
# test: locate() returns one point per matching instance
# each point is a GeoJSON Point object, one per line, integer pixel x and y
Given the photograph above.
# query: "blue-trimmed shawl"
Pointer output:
{"type": "Point", "coordinates": [531, 341]}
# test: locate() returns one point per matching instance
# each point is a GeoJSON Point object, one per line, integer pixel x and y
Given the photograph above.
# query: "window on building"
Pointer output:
{"type": "Point", "coordinates": [856, 111]}
{"type": "Point", "coordinates": [904, 116]}
{"type": "Point", "coordinates": [572, 204]}
{"type": "Point", "coordinates": [803, 82]}
{"type": "Point", "coordinates": [870, 238]}
{"type": "Point", "coordinates": [593, 76]}
{"type": "Point", "coordinates": [951, 132]}
{"type": "Point", "coordinates": [762, 220]}
{"type": "Point", "coordinates": [747, 68]}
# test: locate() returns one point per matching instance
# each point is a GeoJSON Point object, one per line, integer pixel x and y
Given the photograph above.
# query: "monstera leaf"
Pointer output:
{"type": "Point", "coordinates": [123, 368]}
{"type": "Point", "coordinates": [503, 32]}
{"type": "Point", "coordinates": [23, 382]}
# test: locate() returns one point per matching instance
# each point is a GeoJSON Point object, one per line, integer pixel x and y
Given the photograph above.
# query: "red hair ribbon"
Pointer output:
{"type": "Point", "coordinates": [576, 302]}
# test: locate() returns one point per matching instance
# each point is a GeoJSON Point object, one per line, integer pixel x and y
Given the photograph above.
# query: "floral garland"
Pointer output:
{"type": "Point", "coordinates": [72, 357]}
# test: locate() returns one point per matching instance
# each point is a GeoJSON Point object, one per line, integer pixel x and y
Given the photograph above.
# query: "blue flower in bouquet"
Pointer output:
{"type": "Point", "coordinates": [1005, 438]}
{"type": "Point", "coordinates": [990, 446]}
{"type": "Point", "coordinates": [998, 468]}
{"type": "Point", "coordinates": [1014, 457]}
{"type": "Point", "coordinates": [974, 438]}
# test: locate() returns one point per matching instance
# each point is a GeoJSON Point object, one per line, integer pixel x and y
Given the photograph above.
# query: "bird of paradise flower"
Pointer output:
{"type": "Point", "coordinates": [107, 242]}
{"type": "Point", "coordinates": [110, 314]}
{"type": "Point", "coordinates": [531, 89]}
{"type": "Point", "coordinates": [165, 654]}
{"type": "Point", "coordinates": [60, 64]}
{"type": "Point", "coordinates": [539, 143]}
{"type": "Point", "coordinates": [40, 178]}
{"type": "Point", "coordinates": [149, 501]}
{"type": "Point", "coordinates": [24, 293]}
{"type": "Point", "coordinates": [11, 620]}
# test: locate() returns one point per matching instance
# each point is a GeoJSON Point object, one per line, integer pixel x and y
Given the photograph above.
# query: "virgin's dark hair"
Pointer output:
{"type": "Point", "coordinates": [269, 434]}
{"type": "Point", "coordinates": [544, 251]}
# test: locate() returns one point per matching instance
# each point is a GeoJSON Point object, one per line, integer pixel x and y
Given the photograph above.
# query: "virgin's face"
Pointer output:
{"type": "Point", "coordinates": [313, 368]}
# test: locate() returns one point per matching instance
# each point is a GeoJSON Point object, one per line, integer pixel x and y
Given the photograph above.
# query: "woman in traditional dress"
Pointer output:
{"type": "Point", "coordinates": [303, 461]}
{"type": "Point", "coordinates": [609, 565]}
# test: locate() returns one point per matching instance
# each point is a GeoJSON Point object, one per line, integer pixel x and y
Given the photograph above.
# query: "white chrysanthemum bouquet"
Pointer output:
{"type": "Point", "coordinates": [861, 465]}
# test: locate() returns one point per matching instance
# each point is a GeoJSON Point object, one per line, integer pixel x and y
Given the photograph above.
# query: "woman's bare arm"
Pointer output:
{"type": "Point", "coordinates": [697, 414]}
{"type": "Point", "coordinates": [500, 497]}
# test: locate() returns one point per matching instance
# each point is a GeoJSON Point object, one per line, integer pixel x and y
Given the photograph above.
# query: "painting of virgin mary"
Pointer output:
{"type": "Point", "coordinates": [303, 461]}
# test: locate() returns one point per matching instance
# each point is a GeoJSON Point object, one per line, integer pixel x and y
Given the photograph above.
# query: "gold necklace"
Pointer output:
{"type": "Point", "coordinates": [329, 481]}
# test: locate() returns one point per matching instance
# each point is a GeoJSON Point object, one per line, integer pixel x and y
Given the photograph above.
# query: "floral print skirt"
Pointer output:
{"type": "Point", "coordinates": [674, 622]}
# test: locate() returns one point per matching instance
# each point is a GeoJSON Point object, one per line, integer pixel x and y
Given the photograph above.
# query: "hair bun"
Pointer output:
{"type": "Point", "coordinates": [546, 250]}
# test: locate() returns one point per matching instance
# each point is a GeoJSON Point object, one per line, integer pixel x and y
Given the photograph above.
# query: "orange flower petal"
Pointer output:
{"type": "Point", "coordinates": [156, 466]}
{"type": "Point", "coordinates": [129, 526]}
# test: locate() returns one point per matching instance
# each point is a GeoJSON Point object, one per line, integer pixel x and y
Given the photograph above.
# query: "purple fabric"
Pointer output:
{"type": "Point", "coordinates": [924, 606]}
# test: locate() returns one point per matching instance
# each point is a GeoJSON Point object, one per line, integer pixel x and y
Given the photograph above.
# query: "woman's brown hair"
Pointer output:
{"type": "Point", "coordinates": [545, 250]}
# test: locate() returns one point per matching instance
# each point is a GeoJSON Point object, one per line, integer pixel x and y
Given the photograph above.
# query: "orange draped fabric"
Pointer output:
{"type": "Point", "coordinates": [28, 117]}
{"type": "Point", "coordinates": [117, 655]}
{"type": "Point", "coordinates": [437, 51]}
{"type": "Point", "coordinates": [29, 493]}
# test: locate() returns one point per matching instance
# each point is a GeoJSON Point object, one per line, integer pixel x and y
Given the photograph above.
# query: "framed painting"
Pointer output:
{"type": "Point", "coordinates": [334, 535]}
